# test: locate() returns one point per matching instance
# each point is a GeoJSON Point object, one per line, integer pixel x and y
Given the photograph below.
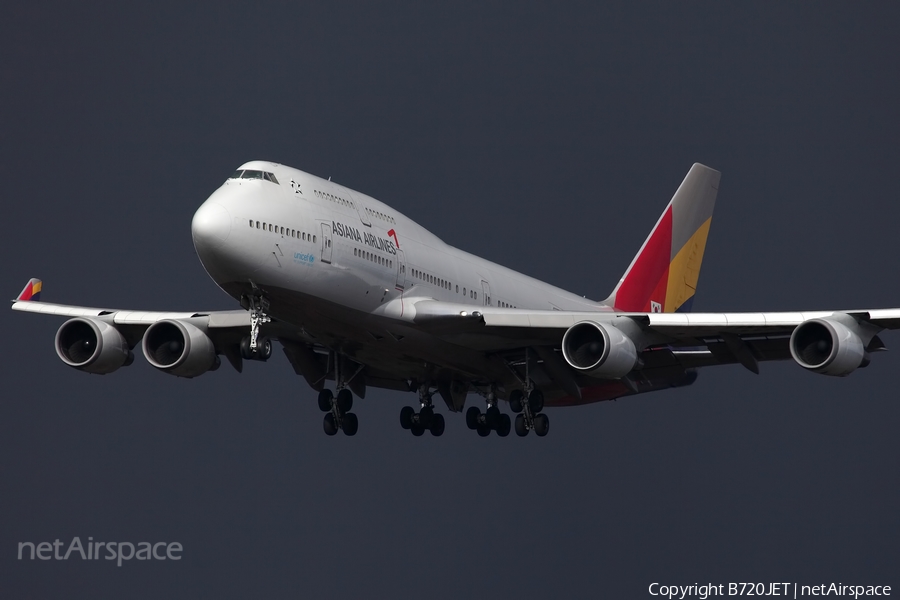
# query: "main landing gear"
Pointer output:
{"type": "Point", "coordinates": [337, 408]}
{"type": "Point", "coordinates": [337, 412]}
{"type": "Point", "coordinates": [490, 420]}
{"type": "Point", "coordinates": [529, 407]}
{"type": "Point", "coordinates": [426, 418]}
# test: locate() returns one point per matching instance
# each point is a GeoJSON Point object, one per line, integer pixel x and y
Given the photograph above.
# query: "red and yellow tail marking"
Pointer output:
{"type": "Point", "coordinates": [32, 291]}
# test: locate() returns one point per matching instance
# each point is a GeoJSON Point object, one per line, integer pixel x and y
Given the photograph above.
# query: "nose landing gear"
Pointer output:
{"type": "Point", "coordinates": [254, 347]}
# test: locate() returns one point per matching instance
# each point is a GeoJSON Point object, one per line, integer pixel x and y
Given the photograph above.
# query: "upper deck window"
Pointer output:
{"type": "Point", "coordinates": [251, 174]}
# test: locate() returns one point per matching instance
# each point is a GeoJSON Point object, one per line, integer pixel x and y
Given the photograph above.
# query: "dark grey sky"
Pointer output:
{"type": "Point", "coordinates": [545, 137]}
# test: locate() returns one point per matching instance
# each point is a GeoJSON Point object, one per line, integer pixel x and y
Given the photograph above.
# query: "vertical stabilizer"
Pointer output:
{"type": "Point", "coordinates": [663, 276]}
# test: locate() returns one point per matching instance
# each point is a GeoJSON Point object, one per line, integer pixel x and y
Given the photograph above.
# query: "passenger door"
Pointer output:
{"type": "Point", "coordinates": [401, 271]}
{"type": "Point", "coordinates": [486, 291]}
{"type": "Point", "coordinates": [326, 243]}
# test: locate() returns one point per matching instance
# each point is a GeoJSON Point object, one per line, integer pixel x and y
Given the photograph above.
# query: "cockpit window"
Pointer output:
{"type": "Point", "coordinates": [251, 174]}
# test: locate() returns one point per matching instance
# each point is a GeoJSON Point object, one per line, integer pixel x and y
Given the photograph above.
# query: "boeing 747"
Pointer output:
{"type": "Point", "coordinates": [359, 295]}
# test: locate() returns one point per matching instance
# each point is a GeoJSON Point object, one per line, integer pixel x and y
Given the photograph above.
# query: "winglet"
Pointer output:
{"type": "Point", "coordinates": [32, 291]}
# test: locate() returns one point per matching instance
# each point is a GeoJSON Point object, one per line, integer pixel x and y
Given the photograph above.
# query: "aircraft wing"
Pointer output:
{"type": "Point", "coordinates": [135, 318]}
{"type": "Point", "coordinates": [693, 339]}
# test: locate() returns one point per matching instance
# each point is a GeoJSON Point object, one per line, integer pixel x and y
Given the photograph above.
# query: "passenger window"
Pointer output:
{"type": "Point", "coordinates": [314, 239]}
{"type": "Point", "coordinates": [251, 222]}
{"type": "Point", "coordinates": [257, 224]}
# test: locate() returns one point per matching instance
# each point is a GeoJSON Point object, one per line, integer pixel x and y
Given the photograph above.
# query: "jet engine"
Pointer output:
{"type": "Point", "coordinates": [92, 346]}
{"type": "Point", "coordinates": [599, 350]}
{"type": "Point", "coordinates": [179, 348]}
{"type": "Point", "coordinates": [828, 346]}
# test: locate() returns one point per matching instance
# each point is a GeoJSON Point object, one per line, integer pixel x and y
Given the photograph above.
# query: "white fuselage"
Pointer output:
{"type": "Point", "coordinates": [320, 239]}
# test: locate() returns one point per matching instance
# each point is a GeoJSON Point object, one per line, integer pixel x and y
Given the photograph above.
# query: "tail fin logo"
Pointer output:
{"type": "Point", "coordinates": [31, 291]}
{"type": "Point", "coordinates": [663, 275]}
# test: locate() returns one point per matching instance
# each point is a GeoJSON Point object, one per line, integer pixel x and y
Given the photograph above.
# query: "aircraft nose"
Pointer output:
{"type": "Point", "coordinates": [211, 225]}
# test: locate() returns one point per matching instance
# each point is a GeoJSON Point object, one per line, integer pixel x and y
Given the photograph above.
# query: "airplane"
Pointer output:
{"type": "Point", "coordinates": [358, 294]}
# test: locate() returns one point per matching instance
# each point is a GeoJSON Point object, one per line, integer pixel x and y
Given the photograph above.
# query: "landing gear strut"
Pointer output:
{"type": "Point", "coordinates": [426, 418]}
{"type": "Point", "coordinates": [254, 347]}
{"type": "Point", "coordinates": [490, 420]}
{"type": "Point", "coordinates": [529, 404]}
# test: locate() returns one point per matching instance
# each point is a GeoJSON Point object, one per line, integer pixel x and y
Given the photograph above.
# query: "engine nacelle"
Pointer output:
{"type": "Point", "coordinates": [827, 346]}
{"type": "Point", "coordinates": [179, 348]}
{"type": "Point", "coordinates": [599, 350]}
{"type": "Point", "coordinates": [92, 346]}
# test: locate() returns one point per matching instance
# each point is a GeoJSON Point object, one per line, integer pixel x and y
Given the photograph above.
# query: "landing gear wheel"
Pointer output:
{"type": "Point", "coordinates": [406, 415]}
{"type": "Point", "coordinates": [437, 425]}
{"type": "Point", "coordinates": [417, 429]}
{"type": "Point", "coordinates": [426, 416]}
{"type": "Point", "coordinates": [521, 428]}
{"type": "Point", "coordinates": [325, 397]}
{"type": "Point", "coordinates": [350, 424]}
{"type": "Point", "coordinates": [263, 348]}
{"type": "Point", "coordinates": [504, 426]}
{"type": "Point", "coordinates": [536, 401]}
{"type": "Point", "coordinates": [541, 424]}
{"type": "Point", "coordinates": [483, 430]}
{"type": "Point", "coordinates": [516, 401]}
{"type": "Point", "coordinates": [245, 349]}
{"type": "Point", "coordinates": [492, 417]}
{"type": "Point", "coordinates": [330, 425]}
{"type": "Point", "coordinates": [345, 400]}
{"type": "Point", "coordinates": [472, 417]}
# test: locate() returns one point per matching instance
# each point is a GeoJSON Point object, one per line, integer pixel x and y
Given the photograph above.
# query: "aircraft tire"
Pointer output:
{"type": "Point", "coordinates": [504, 426]}
{"type": "Point", "coordinates": [536, 400]}
{"type": "Point", "coordinates": [417, 430]}
{"type": "Point", "coordinates": [245, 348]}
{"type": "Point", "coordinates": [426, 416]}
{"type": "Point", "coordinates": [329, 424]}
{"type": "Point", "coordinates": [483, 430]}
{"type": "Point", "coordinates": [406, 414]}
{"type": "Point", "coordinates": [492, 417]}
{"type": "Point", "coordinates": [472, 417]}
{"type": "Point", "coordinates": [263, 348]}
{"type": "Point", "coordinates": [437, 425]}
{"type": "Point", "coordinates": [345, 400]}
{"type": "Point", "coordinates": [541, 425]}
{"type": "Point", "coordinates": [516, 401]}
{"type": "Point", "coordinates": [350, 424]}
{"type": "Point", "coordinates": [521, 430]}
{"type": "Point", "coordinates": [325, 397]}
